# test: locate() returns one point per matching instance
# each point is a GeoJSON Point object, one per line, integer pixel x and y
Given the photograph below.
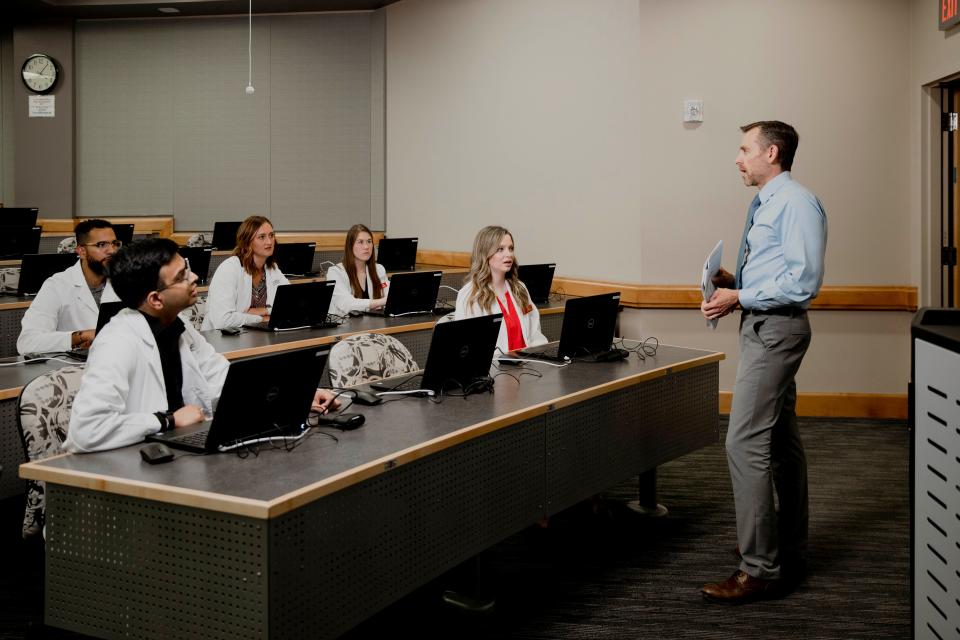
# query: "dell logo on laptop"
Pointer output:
{"type": "Point", "coordinates": [273, 393]}
{"type": "Point", "coordinates": [590, 323]}
{"type": "Point", "coordinates": [464, 351]}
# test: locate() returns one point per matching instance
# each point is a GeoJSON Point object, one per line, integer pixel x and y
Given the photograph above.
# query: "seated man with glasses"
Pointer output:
{"type": "Point", "coordinates": [63, 316]}
{"type": "Point", "coordinates": [148, 371]}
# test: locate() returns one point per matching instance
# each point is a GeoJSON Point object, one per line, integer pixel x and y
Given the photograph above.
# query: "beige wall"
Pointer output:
{"type": "Point", "coordinates": [43, 147]}
{"type": "Point", "coordinates": [562, 120]}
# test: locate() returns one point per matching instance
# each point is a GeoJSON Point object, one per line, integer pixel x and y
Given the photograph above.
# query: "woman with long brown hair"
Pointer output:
{"type": "Point", "coordinates": [361, 283]}
{"type": "Point", "coordinates": [244, 285]}
{"type": "Point", "coordinates": [493, 287]}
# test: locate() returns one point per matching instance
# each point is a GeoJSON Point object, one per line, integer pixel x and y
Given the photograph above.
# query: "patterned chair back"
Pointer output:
{"type": "Point", "coordinates": [367, 357]}
{"type": "Point", "coordinates": [195, 314]}
{"type": "Point", "coordinates": [43, 416]}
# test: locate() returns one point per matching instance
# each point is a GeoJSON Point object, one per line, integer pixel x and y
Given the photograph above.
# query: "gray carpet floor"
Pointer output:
{"type": "Point", "coordinates": [613, 574]}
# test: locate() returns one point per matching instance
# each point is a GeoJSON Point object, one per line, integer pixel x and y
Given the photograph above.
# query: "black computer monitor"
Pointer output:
{"type": "Point", "coordinates": [588, 325]}
{"type": "Point", "coordinates": [538, 279]}
{"type": "Point", "coordinates": [397, 254]}
{"type": "Point", "coordinates": [18, 216]}
{"type": "Point", "coordinates": [199, 258]}
{"type": "Point", "coordinates": [124, 232]}
{"type": "Point", "coordinates": [460, 353]}
{"type": "Point", "coordinates": [17, 241]}
{"type": "Point", "coordinates": [295, 258]}
{"type": "Point", "coordinates": [35, 268]}
{"type": "Point", "coordinates": [225, 235]}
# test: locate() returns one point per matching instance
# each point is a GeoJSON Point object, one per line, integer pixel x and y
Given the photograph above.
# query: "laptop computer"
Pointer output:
{"type": "Point", "coordinates": [461, 352]}
{"type": "Point", "coordinates": [107, 311]}
{"type": "Point", "coordinates": [225, 235]}
{"type": "Point", "coordinates": [35, 268]}
{"type": "Point", "coordinates": [263, 396]}
{"type": "Point", "coordinates": [199, 258]}
{"type": "Point", "coordinates": [538, 278]}
{"type": "Point", "coordinates": [411, 293]}
{"type": "Point", "coordinates": [397, 254]}
{"type": "Point", "coordinates": [18, 216]}
{"type": "Point", "coordinates": [124, 232]}
{"type": "Point", "coordinates": [588, 327]}
{"type": "Point", "coordinates": [16, 241]}
{"type": "Point", "coordinates": [303, 305]}
{"type": "Point", "coordinates": [295, 258]}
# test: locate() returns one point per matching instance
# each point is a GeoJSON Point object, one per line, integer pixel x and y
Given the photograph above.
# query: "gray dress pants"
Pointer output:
{"type": "Point", "coordinates": [764, 450]}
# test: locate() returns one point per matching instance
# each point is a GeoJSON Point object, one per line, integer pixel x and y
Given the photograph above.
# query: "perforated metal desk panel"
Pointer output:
{"type": "Point", "coordinates": [308, 543]}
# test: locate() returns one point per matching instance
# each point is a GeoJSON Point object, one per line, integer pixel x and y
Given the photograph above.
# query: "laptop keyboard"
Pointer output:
{"type": "Point", "coordinates": [195, 439]}
{"type": "Point", "coordinates": [407, 385]}
{"type": "Point", "coordinates": [553, 353]}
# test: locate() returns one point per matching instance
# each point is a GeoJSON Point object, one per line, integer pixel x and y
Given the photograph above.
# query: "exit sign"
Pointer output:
{"type": "Point", "coordinates": [948, 13]}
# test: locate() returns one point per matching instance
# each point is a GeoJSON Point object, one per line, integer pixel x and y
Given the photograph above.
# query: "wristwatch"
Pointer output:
{"type": "Point", "coordinates": [167, 421]}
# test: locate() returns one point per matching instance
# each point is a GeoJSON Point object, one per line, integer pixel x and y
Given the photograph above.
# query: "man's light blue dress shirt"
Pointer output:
{"type": "Point", "coordinates": [786, 246]}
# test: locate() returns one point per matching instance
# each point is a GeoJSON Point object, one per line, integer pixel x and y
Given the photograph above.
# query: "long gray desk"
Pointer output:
{"type": "Point", "coordinates": [309, 542]}
{"type": "Point", "coordinates": [413, 331]}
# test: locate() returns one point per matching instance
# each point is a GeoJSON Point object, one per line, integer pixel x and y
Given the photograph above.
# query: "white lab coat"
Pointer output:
{"type": "Point", "coordinates": [229, 295]}
{"type": "Point", "coordinates": [343, 301]}
{"type": "Point", "coordinates": [529, 322]}
{"type": "Point", "coordinates": [63, 305]}
{"type": "Point", "coordinates": [122, 387]}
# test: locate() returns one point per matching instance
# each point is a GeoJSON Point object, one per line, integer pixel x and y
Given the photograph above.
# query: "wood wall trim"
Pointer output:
{"type": "Point", "coordinates": [683, 296]}
{"type": "Point", "coordinates": [161, 225]}
{"type": "Point", "coordinates": [326, 240]}
{"type": "Point", "coordinates": [891, 406]}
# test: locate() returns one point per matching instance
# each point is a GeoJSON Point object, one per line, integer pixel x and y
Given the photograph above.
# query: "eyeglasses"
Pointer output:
{"type": "Point", "coordinates": [263, 236]}
{"type": "Point", "coordinates": [103, 244]}
{"type": "Point", "coordinates": [183, 276]}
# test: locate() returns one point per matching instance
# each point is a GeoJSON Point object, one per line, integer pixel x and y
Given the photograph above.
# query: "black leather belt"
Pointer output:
{"type": "Point", "coordinates": [791, 312]}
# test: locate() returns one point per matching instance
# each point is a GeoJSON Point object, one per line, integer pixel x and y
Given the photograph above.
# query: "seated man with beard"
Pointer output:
{"type": "Point", "coordinates": [64, 314]}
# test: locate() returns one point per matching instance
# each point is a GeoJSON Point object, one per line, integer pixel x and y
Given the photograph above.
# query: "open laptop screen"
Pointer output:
{"type": "Point", "coordinates": [17, 241]}
{"type": "Point", "coordinates": [225, 235]}
{"type": "Point", "coordinates": [538, 279]}
{"type": "Point", "coordinates": [199, 258]}
{"type": "Point", "coordinates": [589, 324]}
{"type": "Point", "coordinates": [295, 258]}
{"type": "Point", "coordinates": [397, 254]}
{"type": "Point", "coordinates": [263, 396]}
{"type": "Point", "coordinates": [35, 268]}
{"type": "Point", "coordinates": [461, 352]}
{"type": "Point", "coordinates": [18, 216]}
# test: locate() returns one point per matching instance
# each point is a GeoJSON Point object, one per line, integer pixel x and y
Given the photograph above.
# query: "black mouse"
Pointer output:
{"type": "Point", "coordinates": [155, 453]}
{"type": "Point", "coordinates": [367, 398]}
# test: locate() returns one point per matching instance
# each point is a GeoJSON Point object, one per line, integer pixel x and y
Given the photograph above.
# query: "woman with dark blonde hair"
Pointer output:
{"type": "Point", "coordinates": [493, 287]}
{"type": "Point", "coordinates": [244, 285]}
{"type": "Point", "coordinates": [361, 283]}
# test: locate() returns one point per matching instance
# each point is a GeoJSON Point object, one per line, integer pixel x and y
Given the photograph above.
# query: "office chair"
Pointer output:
{"type": "Point", "coordinates": [43, 416]}
{"type": "Point", "coordinates": [367, 357]}
{"type": "Point", "coordinates": [195, 314]}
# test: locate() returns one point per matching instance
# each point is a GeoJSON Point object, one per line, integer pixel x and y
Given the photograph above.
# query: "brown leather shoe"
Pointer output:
{"type": "Point", "coordinates": [741, 588]}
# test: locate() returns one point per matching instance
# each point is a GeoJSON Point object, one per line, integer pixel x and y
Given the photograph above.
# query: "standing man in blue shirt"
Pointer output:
{"type": "Point", "coordinates": [779, 271]}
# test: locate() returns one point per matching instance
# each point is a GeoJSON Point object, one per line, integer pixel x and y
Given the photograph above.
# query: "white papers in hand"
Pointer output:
{"type": "Point", "coordinates": [710, 268]}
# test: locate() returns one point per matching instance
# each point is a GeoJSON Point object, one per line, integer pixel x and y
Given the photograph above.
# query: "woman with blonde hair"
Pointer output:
{"type": "Point", "coordinates": [244, 285]}
{"type": "Point", "coordinates": [361, 283]}
{"type": "Point", "coordinates": [493, 287]}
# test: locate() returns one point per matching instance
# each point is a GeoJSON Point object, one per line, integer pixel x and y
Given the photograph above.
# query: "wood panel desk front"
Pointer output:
{"type": "Point", "coordinates": [309, 542]}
